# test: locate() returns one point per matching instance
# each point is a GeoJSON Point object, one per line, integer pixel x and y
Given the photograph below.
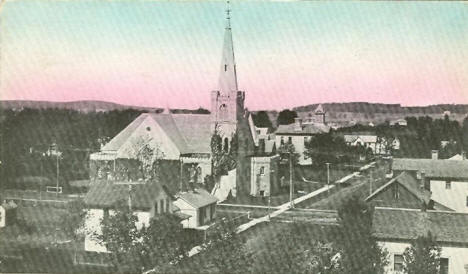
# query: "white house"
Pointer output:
{"type": "Point", "coordinates": [199, 205]}
{"type": "Point", "coordinates": [446, 179]}
{"type": "Point", "coordinates": [7, 213]}
{"type": "Point", "coordinates": [376, 144]}
{"type": "Point", "coordinates": [395, 229]}
{"type": "Point", "coordinates": [146, 200]}
{"type": "Point", "coordinates": [2, 216]}
{"type": "Point", "coordinates": [299, 134]}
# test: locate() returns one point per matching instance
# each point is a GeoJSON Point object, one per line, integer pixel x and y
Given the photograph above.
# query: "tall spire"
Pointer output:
{"type": "Point", "coordinates": [227, 75]}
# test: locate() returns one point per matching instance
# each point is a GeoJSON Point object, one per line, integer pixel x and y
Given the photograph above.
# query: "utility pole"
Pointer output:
{"type": "Point", "coordinates": [370, 182]}
{"type": "Point", "coordinates": [291, 187]}
{"type": "Point", "coordinates": [328, 178]}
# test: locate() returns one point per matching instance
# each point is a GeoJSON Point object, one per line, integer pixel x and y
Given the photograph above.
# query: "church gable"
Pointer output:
{"type": "Point", "coordinates": [149, 132]}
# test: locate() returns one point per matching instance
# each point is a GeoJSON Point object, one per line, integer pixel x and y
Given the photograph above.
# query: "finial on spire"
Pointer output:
{"type": "Point", "coordinates": [228, 13]}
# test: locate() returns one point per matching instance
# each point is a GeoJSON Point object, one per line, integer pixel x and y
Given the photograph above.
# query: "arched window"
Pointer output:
{"type": "Point", "coordinates": [226, 145]}
{"type": "Point", "coordinates": [262, 170]}
{"type": "Point", "coordinates": [223, 112]}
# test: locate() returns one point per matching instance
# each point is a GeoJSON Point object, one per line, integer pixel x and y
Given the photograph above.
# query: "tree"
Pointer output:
{"type": "Point", "coordinates": [218, 155]}
{"type": "Point", "coordinates": [120, 236]}
{"type": "Point", "coordinates": [164, 242]}
{"type": "Point", "coordinates": [148, 155]}
{"type": "Point", "coordinates": [465, 134]}
{"type": "Point", "coordinates": [355, 219]}
{"type": "Point", "coordinates": [73, 222]}
{"type": "Point", "coordinates": [423, 256]}
{"type": "Point", "coordinates": [226, 249]}
{"type": "Point", "coordinates": [286, 117]}
{"type": "Point", "coordinates": [261, 119]}
{"type": "Point", "coordinates": [132, 249]}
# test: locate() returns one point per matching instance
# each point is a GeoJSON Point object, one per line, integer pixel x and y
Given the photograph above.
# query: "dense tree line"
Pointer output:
{"type": "Point", "coordinates": [27, 136]}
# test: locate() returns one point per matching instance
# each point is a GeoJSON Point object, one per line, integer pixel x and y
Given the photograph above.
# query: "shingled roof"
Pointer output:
{"type": "Point", "coordinates": [191, 133]}
{"type": "Point", "coordinates": [198, 197]}
{"type": "Point", "coordinates": [408, 224]}
{"type": "Point", "coordinates": [433, 168]}
{"type": "Point", "coordinates": [105, 194]}
{"type": "Point", "coordinates": [410, 183]}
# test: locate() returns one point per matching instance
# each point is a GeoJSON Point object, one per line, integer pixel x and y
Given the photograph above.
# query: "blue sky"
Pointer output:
{"type": "Point", "coordinates": [157, 53]}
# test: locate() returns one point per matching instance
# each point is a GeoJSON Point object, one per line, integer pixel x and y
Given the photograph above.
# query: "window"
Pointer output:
{"type": "Point", "coordinates": [225, 67]}
{"type": "Point", "coordinates": [290, 139]}
{"type": "Point", "coordinates": [226, 145]}
{"type": "Point", "coordinates": [201, 216]}
{"type": "Point", "coordinates": [467, 201]}
{"type": "Point", "coordinates": [396, 192]}
{"type": "Point", "coordinates": [262, 170]}
{"type": "Point", "coordinates": [168, 205]}
{"type": "Point", "coordinates": [161, 203]}
{"type": "Point", "coordinates": [156, 208]}
{"type": "Point", "coordinates": [398, 262]}
{"type": "Point", "coordinates": [448, 185]}
{"type": "Point", "coordinates": [444, 266]}
{"type": "Point", "coordinates": [282, 140]}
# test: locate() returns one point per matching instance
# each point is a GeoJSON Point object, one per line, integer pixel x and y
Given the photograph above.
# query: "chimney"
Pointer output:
{"type": "Point", "coordinates": [435, 154]}
{"type": "Point", "coordinates": [297, 124]}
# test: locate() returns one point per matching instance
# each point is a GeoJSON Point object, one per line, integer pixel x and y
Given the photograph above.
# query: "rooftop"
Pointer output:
{"type": "Point", "coordinates": [410, 183]}
{"type": "Point", "coordinates": [104, 194]}
{"type": "Point", "coordinates": [197, 198]}
{"type": "Point", "coordinates": [191, 133]}
{"type": "Point", "coordinates": [433, 168]}
{"type": "Point", "coordinates": [305, 129]}
{"type": "Point", "coordinates": [408, 224]}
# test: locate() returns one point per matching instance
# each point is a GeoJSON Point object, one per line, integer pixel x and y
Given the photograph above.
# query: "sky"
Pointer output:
{"type": "Point", "coordinates": [291, 53]}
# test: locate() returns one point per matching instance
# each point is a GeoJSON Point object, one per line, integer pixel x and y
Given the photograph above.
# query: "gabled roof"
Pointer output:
{"type": "Point", "coordinates": [118, 141]}
{"type": "Point", "coordinates": [104, 194]}
{"type": "Point", "coordinates": [433, 168]}
{"type": "Point", "coordinates": [319, 109]}
{"type": "Point", "coordinates": [410, 183]}
{"type": "Point", "coordinates": [197, 198]}
{"type": "Point", "coordinates": [190, 133]}
{"type": "Point", "coordinates": [306, 129]}
{"type": "Point", "coordinates": [408, 224]}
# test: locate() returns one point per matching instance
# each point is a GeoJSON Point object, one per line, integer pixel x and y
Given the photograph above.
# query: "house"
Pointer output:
{"type": "Point", "coordinates": [378, 145]}
{"type": "Point", "coordinates": [8, 211]}
{"type": "Point", "coordinates": [399, 122]}
{"type": "Point", "coordinates": [299, 134]}
{"type": "Point", "coordinates": [404, 191]}
{"type": "Point", "coordinates": [395, 229]}
{"type": "Point", "coordinates": [199, 205]}
{"type": "Point", "coordinates": [447, 180]}
{"type": "Point", "coordinates": [316, 117]}
{"type": "Point", "coordinates": [183, 141]}
{"type": "Point", "coordinates": [146, 199]}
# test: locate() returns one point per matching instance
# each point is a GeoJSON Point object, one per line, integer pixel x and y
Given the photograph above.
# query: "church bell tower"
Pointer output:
{"type": "Point", "coordinates": [227, 103]}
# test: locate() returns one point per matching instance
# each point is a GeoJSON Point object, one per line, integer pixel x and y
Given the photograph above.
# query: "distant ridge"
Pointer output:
{"type": "Point", "coordinates": [364, 107]}
{"type": "Point", "coordinates": [84, 106]}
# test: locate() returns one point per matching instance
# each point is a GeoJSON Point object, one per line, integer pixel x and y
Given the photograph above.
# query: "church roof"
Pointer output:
{"type": "Point", "coordinates": [191, 133]}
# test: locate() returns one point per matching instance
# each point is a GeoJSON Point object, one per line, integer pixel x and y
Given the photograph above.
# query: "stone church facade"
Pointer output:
{"type": "Point", "coordinates": [182, 141]}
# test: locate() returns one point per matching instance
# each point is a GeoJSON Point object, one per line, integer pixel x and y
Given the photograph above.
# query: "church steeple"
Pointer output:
{"type": "Point", "coordinates": [227, 76]}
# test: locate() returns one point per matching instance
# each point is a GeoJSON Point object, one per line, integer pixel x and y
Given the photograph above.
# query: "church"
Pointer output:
{"type": "Point", "coordinates": [182, 141]}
